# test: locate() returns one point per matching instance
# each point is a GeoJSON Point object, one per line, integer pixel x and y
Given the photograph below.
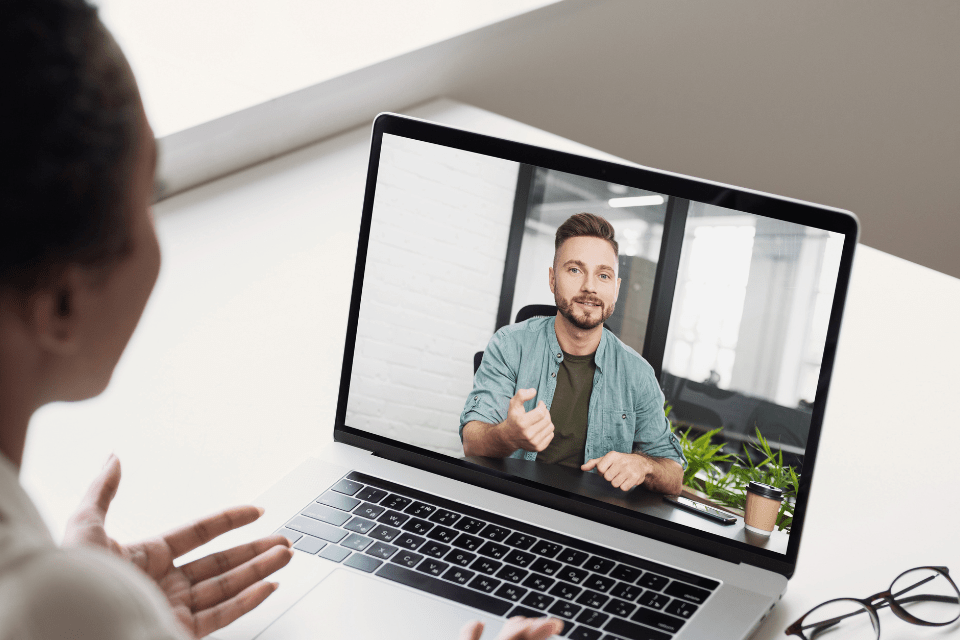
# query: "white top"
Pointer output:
{"type": "Point", "coordinates": [48, 592]}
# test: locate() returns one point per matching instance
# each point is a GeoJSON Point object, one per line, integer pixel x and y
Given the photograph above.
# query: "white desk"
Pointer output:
{"type": "Point", "coordinates": [231, 379]}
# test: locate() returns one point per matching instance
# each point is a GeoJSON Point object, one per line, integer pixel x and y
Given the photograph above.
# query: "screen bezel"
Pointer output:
{"type": "Point", "coordinates": [673, 185]}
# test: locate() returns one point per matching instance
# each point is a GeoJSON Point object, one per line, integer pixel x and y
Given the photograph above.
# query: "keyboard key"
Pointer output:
{"type": "Point", "coordinates": [494, 550]}
{"type": "Point", "coordinates": [538, 601]}
{"type": "Point", "coordinates": [433, 567]}
{"type": "Point", "coordinates": [485, 583]}
{"type": "Point", "coordinates": [658, 620]}
{"type": "Point", "coordinates": [468, 542]}
{"type": "Point", "coordinates": [469, 525]}
{"type": "Point", "coordinates": [290, 534]}
{"type": "Point", "coordinates": [626, 573]}
{"type": "Point", "coordinates": [393, 501]}
{"type": "Point", "coordinates": [434, 549]}
{"type": "Point", "coordinates": [653, 600]}
{"type": "Point", "coordinates": [444, 589]}
{"type": "Point", "coordinates": [592, 599]}
{"type": "Point", "coordinates": [316, 529]}
{"type": "Point", "coordinates": [538, 582]}
{"type": "Point", "coordinates": [309, 544]}
{"type": "Point", "coordinates": [326, 514]}
{"type": "Point", "coordinates": [565, 609]}
{"type": "Point", "coordinates": [368, 510]}
{"type": "Point", "coordinates": [459, 575]}
{"type": "Point", "coordinates": [653, 581]}
{"type": "Point", "coordinates": [625, 591]}
{"type": "Point", "coordinates": [599, 565]}
{"type": "Point", "coordinates": [381, 550]}
{"type": "Point", "coordinates": [486, 565]}
{"type": "Point", "coordinates": [520, 540]}
{"type": "Point", "coordinates": [511, 592]}
{"type": "Point", "coordinates": [338, 501]}
{"type": "Point", "coordinates": [420, 509]}
{"type": "Point", "coordinates": [442, 534]}
{"type": "Point", "coordinates": [572, 574]}
{"type": "Point", "coordinates": [565, 591]}
{"type": "Point", "coordinates": [584, 633]}
{"type": "Point", "coordinates": [572, 556]}
{"type": "Point", "coordinates": [360, 525]}
{"type": "Point", "coordinates": [348, 487]}
{"type": "Point", "coordinates": [356, 542]}
{"type": "Point", "coordinates": [384, 533]}
{"type": "Point", "coordinates": [334, 553]}
{"type": "Point", "coordinates": [519, 558]}
{"type": "Point", "coordinates": [619, 607]}
{"type": "Point", "coordinates": [409, 541]}
{"type": "Point", "coordinates": [444, 517]}
{"type": "Point", "coordinates": [681, 608]}
{"type": "Point", "coordinates": [460, 557]}
{"type": "Point", "coordinates": [512, 574]}
{"type": "Point", "coordinates": [633, 631]}
{"type": "Point", "coordinates": [363, 563]}
{"type": "Point", "coordinates": [495, 533]}
{"type": "Point", "coordinates": [546, 549]}
{"type": "Point", "coordinates": [417, 526]}
{"type": "Point", "coordinates": [527, 612]}
{"type": "Point", "coordinates": [371, 494]}
{"type": "Point", "coordinates": [592, 618]}
{"type": "Point", "coordinates": [599, 583]}
{"type": "Point", "coordinates": [393, 518]}
{"type": "Point", "coordinates": [546, 567]}
{"type": "Point", "coordinates": [406, 558]}
{"type": "Point", "coordinates": [690, 593]}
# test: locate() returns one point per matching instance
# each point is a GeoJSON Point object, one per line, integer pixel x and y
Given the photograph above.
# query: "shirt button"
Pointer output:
{"type": "Point", "coordinates": [559, 355]}
{"type": "Point", "coordinates": [553, 375]}
{"type": "Point", "coordinates": [476, 397]}
{"type": "Point", "coordinates": [624, 416]}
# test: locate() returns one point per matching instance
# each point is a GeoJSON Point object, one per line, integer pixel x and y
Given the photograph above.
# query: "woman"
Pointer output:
{"type": "Point", "coordinates": [78, 260]}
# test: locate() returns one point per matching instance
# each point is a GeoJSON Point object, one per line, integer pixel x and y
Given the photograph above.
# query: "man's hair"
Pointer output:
{"type": "Point", "coordinates": [585, 225]}
{"type": "Point", "coordinates": [68, 128]}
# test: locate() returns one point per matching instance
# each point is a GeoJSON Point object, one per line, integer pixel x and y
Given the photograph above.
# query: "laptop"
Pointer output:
{"type": "Point", "coordinates": [733, 297]}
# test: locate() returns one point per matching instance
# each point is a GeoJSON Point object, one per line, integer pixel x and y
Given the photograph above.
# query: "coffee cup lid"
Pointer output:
{"type": "Point", "coordinates": [765, 490]}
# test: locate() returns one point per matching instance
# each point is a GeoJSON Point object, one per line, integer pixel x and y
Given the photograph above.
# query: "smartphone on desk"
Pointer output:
{"type": "Point", "coordinates": [702, 510]}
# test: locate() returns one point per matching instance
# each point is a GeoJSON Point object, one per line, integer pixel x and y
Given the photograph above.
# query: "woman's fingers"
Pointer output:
{"type": "Point", "coordinates": [209, 620]}
{"type": "Point", "coordinates": [191, 536]}
{"type": "Point", "coordinates": [222, 587]}
{"type": "Point", "coordinates": [219, 563]}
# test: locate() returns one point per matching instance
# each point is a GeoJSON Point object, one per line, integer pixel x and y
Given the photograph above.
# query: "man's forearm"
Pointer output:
{"type": "Point", "coordinates": [664, 475]}
{"type": "Point", "coordinates": [483, 439]}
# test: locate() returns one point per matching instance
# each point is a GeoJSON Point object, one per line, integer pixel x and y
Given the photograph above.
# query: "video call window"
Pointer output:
{"type": "Point", "coordinates": [461, 242]}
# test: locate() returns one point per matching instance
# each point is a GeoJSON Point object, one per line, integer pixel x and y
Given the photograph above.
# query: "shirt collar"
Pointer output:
{"type": "Point", "coordinates": [16, 507]}
{"type": "Point", "coordinates": [557, 353]}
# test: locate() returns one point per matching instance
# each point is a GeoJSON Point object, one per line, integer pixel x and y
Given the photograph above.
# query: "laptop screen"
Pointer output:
{"type": "Point", "coordinates": [716, 344]}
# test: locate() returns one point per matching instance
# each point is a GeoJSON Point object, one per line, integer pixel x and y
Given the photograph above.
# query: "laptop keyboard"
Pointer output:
{"type": "Point", "coordinates": [501, 566]}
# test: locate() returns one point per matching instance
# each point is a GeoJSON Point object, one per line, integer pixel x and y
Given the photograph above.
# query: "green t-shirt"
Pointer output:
{"type": "Point", "coordinates": [570, 409]}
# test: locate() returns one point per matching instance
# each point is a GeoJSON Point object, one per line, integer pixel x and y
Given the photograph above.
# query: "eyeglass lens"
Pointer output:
{"type": "Point", "coordinates": [927, 595]}
{"type": "Point", "coordinates": [841, 619]}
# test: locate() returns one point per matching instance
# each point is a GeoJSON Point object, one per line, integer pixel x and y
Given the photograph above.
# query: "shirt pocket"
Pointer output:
{"type": "Point", "coordinates": [618, 430]}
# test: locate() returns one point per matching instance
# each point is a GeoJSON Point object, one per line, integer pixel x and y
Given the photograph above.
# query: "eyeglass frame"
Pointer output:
{"type": "Point", "coordinates": [878, 601]}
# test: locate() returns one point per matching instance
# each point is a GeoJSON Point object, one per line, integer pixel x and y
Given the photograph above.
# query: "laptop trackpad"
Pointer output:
{"type": "Point", "coordinates": [354, 606]}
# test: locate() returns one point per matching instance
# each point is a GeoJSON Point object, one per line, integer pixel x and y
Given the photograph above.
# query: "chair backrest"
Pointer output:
{"type": "Point", "coordinates": [525, 313]}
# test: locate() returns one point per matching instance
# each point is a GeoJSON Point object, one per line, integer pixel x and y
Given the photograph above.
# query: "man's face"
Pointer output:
{"type": "Point", "coordinates": [584, 281]}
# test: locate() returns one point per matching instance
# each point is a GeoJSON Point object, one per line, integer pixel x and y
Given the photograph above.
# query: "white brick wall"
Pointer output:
{"type": "Point", "coordinates": [438, 241]}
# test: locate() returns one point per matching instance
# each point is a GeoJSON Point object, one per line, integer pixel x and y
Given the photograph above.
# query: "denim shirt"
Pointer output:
{"type": "Point", "coordinates": [626, 404]}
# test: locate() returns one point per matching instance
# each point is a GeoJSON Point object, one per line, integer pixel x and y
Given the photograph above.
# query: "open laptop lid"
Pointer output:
{"type": "Point", "coordinates": [734, 297]}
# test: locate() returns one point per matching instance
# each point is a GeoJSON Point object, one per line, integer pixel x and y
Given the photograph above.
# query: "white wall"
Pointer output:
{"type": "Point", "coordinates": [438, 243]}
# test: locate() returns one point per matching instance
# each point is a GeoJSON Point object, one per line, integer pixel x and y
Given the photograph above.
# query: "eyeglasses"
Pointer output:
{"type": "Point", "coordinates": [925, 596]}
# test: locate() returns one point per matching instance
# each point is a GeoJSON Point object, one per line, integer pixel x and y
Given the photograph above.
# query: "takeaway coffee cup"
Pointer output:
{"type": "Point", "coordinates": [763, 504]}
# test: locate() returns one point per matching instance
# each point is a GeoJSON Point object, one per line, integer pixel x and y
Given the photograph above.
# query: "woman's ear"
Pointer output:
{"type": "Point", "coordinates": [53, 312]}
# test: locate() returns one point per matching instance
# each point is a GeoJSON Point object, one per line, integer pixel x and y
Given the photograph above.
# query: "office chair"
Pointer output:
{"type": "Point", "coordinates": [525, 313]}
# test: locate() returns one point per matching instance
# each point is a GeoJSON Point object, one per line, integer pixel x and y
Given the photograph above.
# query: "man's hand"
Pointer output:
{"type": "Point", "coordinates": [206, 594]}
{"type": "Point", "coordinates": [628, 470]}
{"type": "Point", "coordinates": [528, 430]}
{"type": "Point", "coordinates": [517, 628]}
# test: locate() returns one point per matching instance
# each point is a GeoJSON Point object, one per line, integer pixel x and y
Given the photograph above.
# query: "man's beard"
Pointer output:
{"type": "Point", "coordinates": [582, 321]}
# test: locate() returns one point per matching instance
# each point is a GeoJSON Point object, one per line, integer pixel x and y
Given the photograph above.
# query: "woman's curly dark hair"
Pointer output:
{"type": "Point", "coordinates": [68, 128]}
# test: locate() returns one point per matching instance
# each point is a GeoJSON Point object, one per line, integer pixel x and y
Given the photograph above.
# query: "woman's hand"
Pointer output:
{"type": "Point", "coordinates": [206, 594]}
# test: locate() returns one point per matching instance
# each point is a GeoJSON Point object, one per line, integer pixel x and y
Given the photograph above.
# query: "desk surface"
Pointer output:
{"type": "Point", "coordinates": [231, 378]}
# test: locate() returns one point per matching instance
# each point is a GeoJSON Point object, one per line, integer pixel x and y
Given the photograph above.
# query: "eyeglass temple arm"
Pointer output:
{"type": "Point", "coordinates": [823, 625]}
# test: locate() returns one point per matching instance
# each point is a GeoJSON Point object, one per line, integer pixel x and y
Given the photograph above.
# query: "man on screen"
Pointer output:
{"type": "Point", "coordinates": [565, 390]}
